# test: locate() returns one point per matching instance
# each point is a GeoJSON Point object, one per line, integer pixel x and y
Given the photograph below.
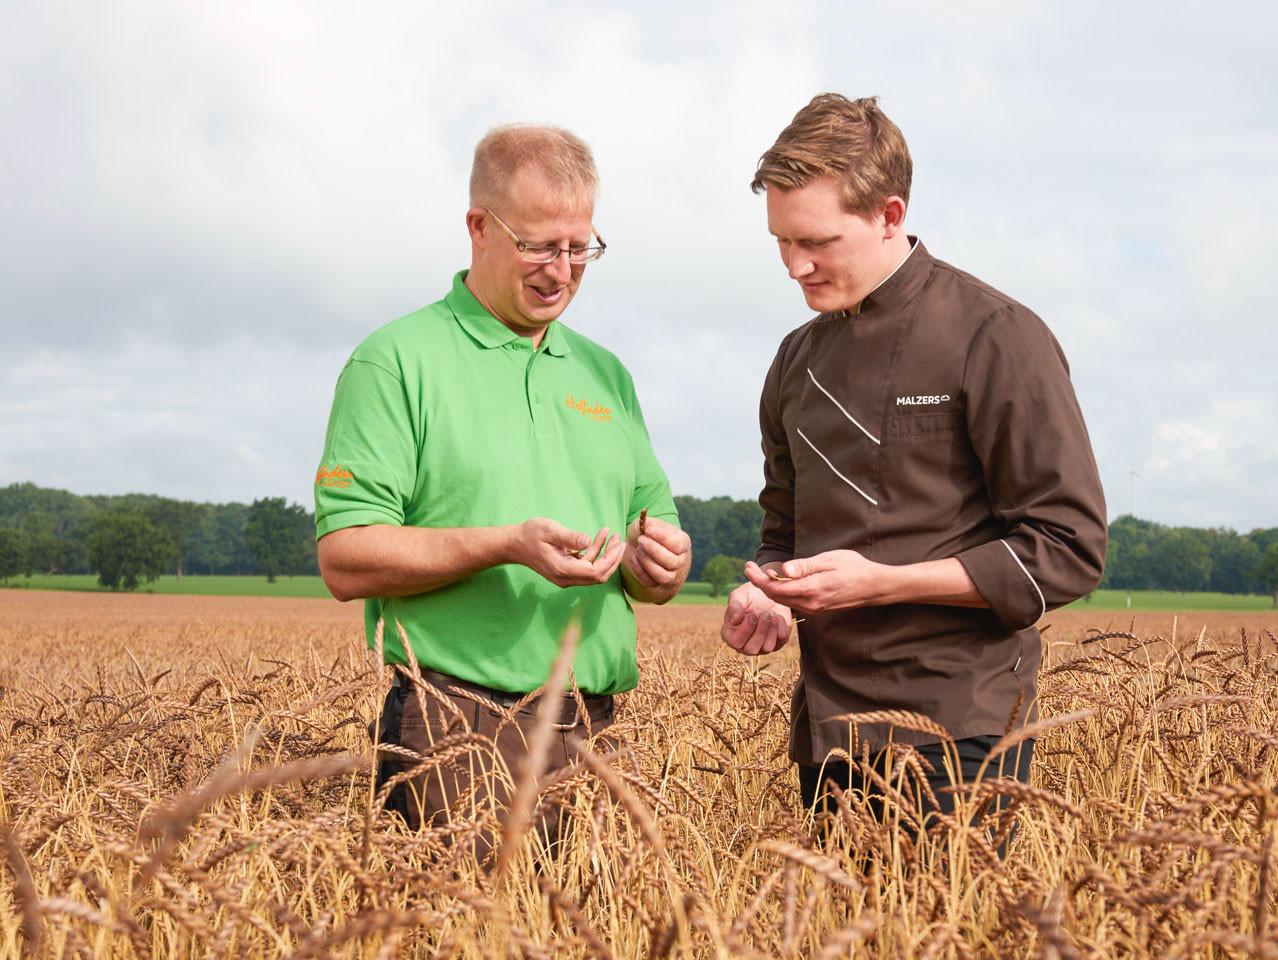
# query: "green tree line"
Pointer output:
{"type": "Point", "coordinates": [1144, 555]}
{"type": "Point", "coordinates": [53, 531]}
{"type": "Point", "coordinates": [128, 538]}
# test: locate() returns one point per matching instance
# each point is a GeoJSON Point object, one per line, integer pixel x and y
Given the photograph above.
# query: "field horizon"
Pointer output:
{"type": "Point", "coordinates": [694, 592]}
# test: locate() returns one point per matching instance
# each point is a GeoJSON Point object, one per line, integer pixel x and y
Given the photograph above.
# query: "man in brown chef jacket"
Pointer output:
{"type": "Point", "coordinates": [929, 486]}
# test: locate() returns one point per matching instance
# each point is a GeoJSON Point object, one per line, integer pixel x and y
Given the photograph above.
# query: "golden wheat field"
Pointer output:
{"type": "Point", "coordinates": [189, 777]}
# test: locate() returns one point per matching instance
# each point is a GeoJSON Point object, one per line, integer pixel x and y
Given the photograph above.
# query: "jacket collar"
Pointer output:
{"type": "Point", "coordinates": [901, 285]}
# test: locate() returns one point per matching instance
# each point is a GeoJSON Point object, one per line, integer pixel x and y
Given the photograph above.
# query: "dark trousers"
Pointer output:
{"type": "Point", "coordinates": [461, 780]}
{"type": "Point", "coordinates": [972, 751]}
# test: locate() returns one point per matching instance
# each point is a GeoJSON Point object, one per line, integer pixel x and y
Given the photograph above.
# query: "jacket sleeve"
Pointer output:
{"type": "Point", "coordinates": [777, 497]}
{"type": "Point", "coordinates": [1040, 474]}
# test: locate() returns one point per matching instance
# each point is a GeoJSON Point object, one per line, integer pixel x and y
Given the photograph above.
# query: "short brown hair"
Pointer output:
{"type": "Point", "coordinates": [850, 140]}
{"type": "Point", "coordinates": [559, 156]}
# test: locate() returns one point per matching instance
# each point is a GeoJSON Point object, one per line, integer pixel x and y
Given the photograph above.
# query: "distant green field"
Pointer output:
{"type": "Point", "coordinates": [695, 592]}
{"type": "Point", "coordinates": [201, 585]}
{"type": "Point", "coordinates": [1171, 602]}
{"type": "Point", "coordinates": [250, 586]}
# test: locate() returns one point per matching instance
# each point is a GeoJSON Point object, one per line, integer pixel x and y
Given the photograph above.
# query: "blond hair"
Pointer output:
{"type": "Point", "coordinates": [850, 140]}
{"type": "Point", "coordinates": [562, 158]}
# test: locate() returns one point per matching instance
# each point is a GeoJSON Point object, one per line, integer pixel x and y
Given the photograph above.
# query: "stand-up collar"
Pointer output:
{"type": "Point", "coordinates": [901, 285]}
{"type": "Point", "coordinates": [486, 330]}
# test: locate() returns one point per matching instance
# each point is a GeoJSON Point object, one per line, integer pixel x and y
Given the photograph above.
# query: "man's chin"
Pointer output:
{"type": "Point", "coordinates": [545, 312]}
{"type": "Point", "coordinates": [824, 301]}
{"type": "Point", "coordinates": [819, 300]}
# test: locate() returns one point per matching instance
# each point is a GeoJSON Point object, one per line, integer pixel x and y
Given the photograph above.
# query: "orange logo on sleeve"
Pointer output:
{"type": "Point", "coordinates": [595, 411]}
{"type": "Point", "coordinates": [335, 476]}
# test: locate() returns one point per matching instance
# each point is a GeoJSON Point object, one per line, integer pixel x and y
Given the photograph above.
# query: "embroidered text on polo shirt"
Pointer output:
{"type": "Point", "coordinates": [335, 476]}
{"type": "Point", "coordinates": [595, 411]}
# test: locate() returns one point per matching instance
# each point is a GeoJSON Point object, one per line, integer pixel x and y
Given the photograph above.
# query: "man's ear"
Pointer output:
{"type": "Point", "coordinates": [477, 225]}
{"type": "Point", "coordinates": [893, 217]}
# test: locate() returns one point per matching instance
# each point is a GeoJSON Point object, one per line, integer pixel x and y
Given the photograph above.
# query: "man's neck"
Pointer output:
{"type": "Point", "coordinates": [476, 290]}
{"type": "Point", "coordinates": [895, 252]}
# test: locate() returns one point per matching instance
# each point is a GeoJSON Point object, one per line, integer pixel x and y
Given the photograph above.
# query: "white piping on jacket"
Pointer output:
{"type": "Point", "coordinates": [840, 406]}
{"type": "Point", "coordinates": [1027, 576]}
{"type": "Point", "coordinates": [835, 469]}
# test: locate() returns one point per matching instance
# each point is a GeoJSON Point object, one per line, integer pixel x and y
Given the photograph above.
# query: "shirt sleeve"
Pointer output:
{"type": "Point", "coordinates": [776, 537]}
{"type": "Point", "coordinates": [652, 487]}
{"type": "Point", "coordinates": [1027, 431]}
{"type": "Point", "coordinates": [369, 466]}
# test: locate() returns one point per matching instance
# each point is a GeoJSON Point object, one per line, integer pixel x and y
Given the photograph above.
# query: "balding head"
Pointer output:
{"type": "Point", "coordinates": [559, 158]}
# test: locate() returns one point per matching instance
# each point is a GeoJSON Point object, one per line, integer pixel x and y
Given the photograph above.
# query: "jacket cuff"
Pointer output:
{"type": "Point", "coordinates": [1002, 578]}
{"type": "Point", "coordinates": [769, 555]}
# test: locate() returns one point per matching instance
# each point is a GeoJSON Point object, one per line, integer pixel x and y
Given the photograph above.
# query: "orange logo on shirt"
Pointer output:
{"type": "Point", "coordinates": [336, 476]}
{"type": "Point", "coordinates": [595, 411]}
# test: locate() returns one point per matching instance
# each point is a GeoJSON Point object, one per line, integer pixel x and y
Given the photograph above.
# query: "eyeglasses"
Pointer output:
{"type": "Point", "coordinates": [543, 253]}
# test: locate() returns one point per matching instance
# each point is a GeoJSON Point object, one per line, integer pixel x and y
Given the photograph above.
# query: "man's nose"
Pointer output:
{"type": "Point", "coordinates": [560, 268]}
{"type": "Point", "coordinates": [799, 266]}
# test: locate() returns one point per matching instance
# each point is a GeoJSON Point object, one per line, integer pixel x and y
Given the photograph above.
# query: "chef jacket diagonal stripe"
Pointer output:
{"type": "Point", "coordinates": [842, 409]}
{"type": "Point", "coordinates": [834, 468]}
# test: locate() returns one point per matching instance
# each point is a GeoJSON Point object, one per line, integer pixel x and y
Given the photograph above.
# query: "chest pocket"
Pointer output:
{"type": "Point", "coordinates": [925, 427]}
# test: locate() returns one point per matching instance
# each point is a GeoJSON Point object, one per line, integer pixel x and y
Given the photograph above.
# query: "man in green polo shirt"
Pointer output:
{"type": "Point", "coordinates": [487, 477]}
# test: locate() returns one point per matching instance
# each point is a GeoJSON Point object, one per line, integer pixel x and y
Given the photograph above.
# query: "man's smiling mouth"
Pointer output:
{"type": "Point", "coordinates": [547, 297]}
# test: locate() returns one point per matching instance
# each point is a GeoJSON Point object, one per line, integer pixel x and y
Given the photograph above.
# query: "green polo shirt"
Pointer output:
{"type": "Point", "coordinates": [447, 418]}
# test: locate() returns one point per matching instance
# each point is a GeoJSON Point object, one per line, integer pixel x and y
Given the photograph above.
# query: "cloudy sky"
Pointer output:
{"type": "Point", "coordinates": [206, 206]}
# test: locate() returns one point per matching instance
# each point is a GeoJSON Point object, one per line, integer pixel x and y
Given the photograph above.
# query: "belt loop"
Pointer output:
{"type": "Point", "coordinates": [576, 719]}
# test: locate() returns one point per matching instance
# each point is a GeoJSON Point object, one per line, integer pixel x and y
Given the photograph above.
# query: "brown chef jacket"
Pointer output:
{"type": "Point", "coordinates": [936, 421]}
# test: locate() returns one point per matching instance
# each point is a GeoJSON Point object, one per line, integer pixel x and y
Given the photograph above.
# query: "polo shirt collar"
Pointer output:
{"type": "Point", "coordinates": [487, 330]}
{"type": "Point", "coordinates": [554, 342]}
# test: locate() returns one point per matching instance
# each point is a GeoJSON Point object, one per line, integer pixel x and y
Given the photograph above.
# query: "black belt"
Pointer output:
{"type": "Point", "coordinates": [598, 706]}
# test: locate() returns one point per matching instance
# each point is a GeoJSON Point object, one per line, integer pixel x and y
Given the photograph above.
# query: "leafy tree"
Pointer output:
{"type": "Point", "coordinates": [1267, 572]}
{"type": "Point", "coordinates": [717, 526]}
{"type": "Point", "coordinates": [125, 546]}
{"type": "Point", "coordinates": [1112, 565]}
{"type": "Point", "coordinates": [181, 518]}
{"type": "Point", "coordinates": [13, 552]}
{"type": "Point", "coordinates": [59, 522]}
{"type": "Point", "coordinates": [1138, 571]}
{"type": "Point", "coordinates": [721, 571]}
{"type": "Point", "coordinates": [205, 550]}
{"type": "Point", "coordinates": [1132, 540]}
{"type": "Point", "coordinates": [1263, 539]}
{"type": "Point", "coordinates": [277, 532]}
{"type": "Point", "coordinates": [232, 551]}
{"type": "Point", "coordinates": [1181, 561]}
{"type": "Point", "coordinates": [1233, 562]}
{"type": "Point", "coordinates": [43, 544]}
{"type": "Point", "coordinates": [73, 555]}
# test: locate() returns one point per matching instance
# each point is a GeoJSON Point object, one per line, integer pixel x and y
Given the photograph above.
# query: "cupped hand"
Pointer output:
{"type": "Point", "coordinates": [753, 623]}
{"type": "Point", "coordinates": [567, 558]}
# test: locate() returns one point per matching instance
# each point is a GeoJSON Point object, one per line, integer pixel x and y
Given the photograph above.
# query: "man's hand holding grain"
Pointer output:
{"type": "Point", "coordinates": [567, 558]}
{"type": "Point", "coordinates": [657, 558]}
